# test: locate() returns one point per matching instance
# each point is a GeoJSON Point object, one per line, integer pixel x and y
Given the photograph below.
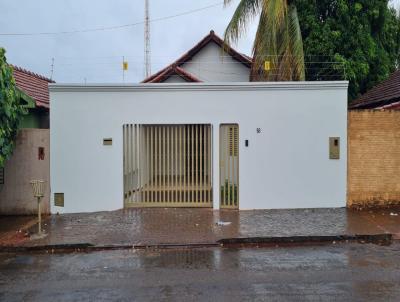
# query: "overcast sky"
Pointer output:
{"type": "Point", "coordinates": [97, 56]}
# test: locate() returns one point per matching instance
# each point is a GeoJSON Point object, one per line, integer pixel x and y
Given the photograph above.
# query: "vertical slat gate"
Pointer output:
{"type": "Point", "coordinates": [167, 165]}
{"type": "Point", "coordinates": [229, 166]}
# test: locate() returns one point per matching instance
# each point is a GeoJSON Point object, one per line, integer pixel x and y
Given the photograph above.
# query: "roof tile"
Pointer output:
{"type": "Point", "coordinates": [34, 85]}
{"type": "Point", "coordinates": [382, 94]}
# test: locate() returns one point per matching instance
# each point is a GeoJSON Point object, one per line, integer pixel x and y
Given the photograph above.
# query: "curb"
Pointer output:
{"type": "Point", "coordinates": [88, 247]}
{"type": "Point", "coordinates": [247, 242]}
{"type": "Point", "coordinates": [305, 240]}
{"type": "Point", "coordinates": [41, 248]}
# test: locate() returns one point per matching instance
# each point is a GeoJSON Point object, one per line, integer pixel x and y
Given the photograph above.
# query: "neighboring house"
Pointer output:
{"type": "Point", "coordinates": [30, 158]}
{"type": "Point", "coordinates": [207, 61]}
{"type": "Point", "coordinates": [385, 95]}
{"type": "Point", "coordinates": [35, 86]}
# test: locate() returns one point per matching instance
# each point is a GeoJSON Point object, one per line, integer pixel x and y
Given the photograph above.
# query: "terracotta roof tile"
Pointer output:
{"type": "Point", "coordinates": [382, 94]}
{"type": "Point", "coordinates": [34, 85]}
{"type": "Point", "coordinates": [211, 37]}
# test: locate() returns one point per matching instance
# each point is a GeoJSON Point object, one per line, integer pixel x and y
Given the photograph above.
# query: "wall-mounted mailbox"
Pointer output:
{"type": "Point", "coordinates": [334, 148]}
{"type": "Point", "coordinates": [107, 141]}
{"type": "Point", "coordinates": [59, 199]}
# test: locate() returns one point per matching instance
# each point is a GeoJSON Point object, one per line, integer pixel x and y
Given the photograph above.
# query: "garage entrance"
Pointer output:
{"type": "Point", "coordinates": [167, 165]}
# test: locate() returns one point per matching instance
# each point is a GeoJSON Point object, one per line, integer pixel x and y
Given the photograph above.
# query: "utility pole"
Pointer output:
{"type": "Point", "coordinates": [147, 51]}
{"type": "Point", "coordinates": [52, 68]}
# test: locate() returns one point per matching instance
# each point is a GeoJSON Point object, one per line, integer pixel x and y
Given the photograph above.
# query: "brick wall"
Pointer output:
{"type": "Point", "coordinates": [373, 158]}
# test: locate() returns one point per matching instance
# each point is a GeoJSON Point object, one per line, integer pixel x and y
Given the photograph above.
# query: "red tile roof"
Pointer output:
{"type": "Point", "coordinates": [211, 37]}
{"type": "Point", "coordinates": [34, 85]}
{"type": "Point", "coordinates": [382, 94]}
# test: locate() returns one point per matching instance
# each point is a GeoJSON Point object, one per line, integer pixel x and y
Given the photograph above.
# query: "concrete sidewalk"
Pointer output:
{"type": "Point", "coordinates": [200, 226]}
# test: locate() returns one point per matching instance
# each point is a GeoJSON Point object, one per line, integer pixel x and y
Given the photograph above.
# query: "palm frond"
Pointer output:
{"type": "Point", "coordinates": [277, 10]}
{"type": "Point", "coordinates": [264, 48]}
{"type": "Point", "coordinates": [244, 13]}
{"type": "Point", "coordinates": [296, 41]}
{"type": "Point", "coordinates": [278, 38]}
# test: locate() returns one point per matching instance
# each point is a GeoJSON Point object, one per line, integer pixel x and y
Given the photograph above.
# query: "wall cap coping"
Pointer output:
{"type": "Point", "coordinates": [245, 86]}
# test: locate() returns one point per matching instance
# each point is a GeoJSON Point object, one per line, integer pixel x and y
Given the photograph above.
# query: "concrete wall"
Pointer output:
{"type": "Point", "coordinates": [287, 165]}
{"type": "Point", "coordinates": [374, 158]}
{"type": "Point", "coordinates": [211, 65]}
{"type": "Point", "coordinates": [16, 193]}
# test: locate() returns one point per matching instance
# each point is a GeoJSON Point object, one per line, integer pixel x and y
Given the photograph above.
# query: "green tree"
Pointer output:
{"type": "Point", "coordinates": [361, 35]}
{"type": "Point", "coordinates": [278, 39]}
{"type": "Point", "coordinates": [12, 108]}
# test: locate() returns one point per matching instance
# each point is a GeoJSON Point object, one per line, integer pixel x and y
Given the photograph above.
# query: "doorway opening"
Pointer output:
{"type": "Point", "coordinates": [229, 166]}
{"type": "Point", "coordinates": [167, 165]}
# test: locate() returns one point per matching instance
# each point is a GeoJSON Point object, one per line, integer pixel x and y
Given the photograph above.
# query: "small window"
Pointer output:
{"type": "Point", "coordinates": [233, 141]}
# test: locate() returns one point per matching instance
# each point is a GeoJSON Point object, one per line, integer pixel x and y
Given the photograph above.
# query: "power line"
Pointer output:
{"type": "Point", "coordinates": [113, 27]}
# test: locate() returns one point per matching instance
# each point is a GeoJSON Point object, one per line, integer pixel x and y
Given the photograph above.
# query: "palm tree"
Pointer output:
{"type": "Point", "coordinates": [278, 42]}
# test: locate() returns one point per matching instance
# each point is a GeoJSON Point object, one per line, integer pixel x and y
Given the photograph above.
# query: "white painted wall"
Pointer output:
{"type": "Point", "coordinates": [287, 165]}
{"type": "Point", "coordinates": [211, 65]}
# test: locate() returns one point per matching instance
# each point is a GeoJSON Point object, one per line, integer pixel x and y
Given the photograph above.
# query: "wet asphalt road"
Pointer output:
{"type": "Point", "coordinates": [345, 272]}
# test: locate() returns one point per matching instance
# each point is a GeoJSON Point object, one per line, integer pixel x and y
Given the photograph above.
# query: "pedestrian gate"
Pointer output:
{"type": "Point", "coordinates": [167, 165]}
{"type": "Point", "coordinates": [229, 166]}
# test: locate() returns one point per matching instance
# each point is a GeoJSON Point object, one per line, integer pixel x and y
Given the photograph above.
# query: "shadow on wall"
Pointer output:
{"type": "Point", "coordinates": [30, 160]}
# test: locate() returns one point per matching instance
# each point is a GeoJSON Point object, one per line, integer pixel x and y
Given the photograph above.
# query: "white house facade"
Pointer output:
{"type": "Point", "coordinates": [218, 145]}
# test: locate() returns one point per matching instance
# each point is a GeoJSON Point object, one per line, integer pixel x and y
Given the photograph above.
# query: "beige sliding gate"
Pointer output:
{"type": "Point", "coordinates": [229, 166]}
{"type": "Point", "coordinates": [167, 165]}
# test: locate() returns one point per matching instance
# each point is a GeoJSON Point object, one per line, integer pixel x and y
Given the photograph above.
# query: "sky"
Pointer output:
{"type": "Point", "coordinates": [96, 57]}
